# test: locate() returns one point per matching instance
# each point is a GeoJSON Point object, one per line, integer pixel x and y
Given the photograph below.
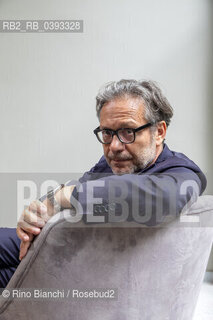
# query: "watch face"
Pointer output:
{"type": "Point", "coordinates": [52, 192]}
{"type": "Point", "coordinates": [51, 197]}
{"type": "Point", "coordinates": [49, 193]}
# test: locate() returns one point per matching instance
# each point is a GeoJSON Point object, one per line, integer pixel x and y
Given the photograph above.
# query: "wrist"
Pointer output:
{"type": "Point", "coordinates": [52, 199]}
{"type": "Point", "coordinates": [63, 196]}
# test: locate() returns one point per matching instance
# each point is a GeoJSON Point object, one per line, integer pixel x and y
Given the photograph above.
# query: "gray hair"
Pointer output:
{"type": "Point", "coordinates": [157, 107]}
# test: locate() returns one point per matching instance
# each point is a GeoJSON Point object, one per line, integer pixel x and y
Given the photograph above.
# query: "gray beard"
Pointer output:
{"type": "Point", "coordinates": [145, 158]}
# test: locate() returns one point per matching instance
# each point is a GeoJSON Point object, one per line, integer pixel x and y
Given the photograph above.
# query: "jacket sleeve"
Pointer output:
{"type": "Point", "coordinates": [149, 199]}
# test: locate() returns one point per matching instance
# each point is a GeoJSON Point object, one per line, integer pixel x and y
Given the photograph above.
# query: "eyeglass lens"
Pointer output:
{"type": "Point", "coordinates": [125, 135]}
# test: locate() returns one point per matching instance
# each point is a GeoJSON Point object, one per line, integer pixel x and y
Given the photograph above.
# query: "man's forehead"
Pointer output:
{"type": "Point", "coordinates": [125, 109]}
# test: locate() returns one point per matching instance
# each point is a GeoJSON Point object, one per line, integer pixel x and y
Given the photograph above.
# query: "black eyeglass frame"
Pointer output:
{"type": "Point", "coordinates": [115, 132]}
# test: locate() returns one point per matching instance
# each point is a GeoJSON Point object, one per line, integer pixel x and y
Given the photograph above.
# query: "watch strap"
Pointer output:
{"type": "Point", "coordinates": [52, 200]}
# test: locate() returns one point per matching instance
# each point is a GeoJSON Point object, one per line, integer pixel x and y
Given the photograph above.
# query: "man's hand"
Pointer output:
{"type": "Point", "coordinates": [30, 224]}
{"type": "Point", "coordinates": [36, 215]}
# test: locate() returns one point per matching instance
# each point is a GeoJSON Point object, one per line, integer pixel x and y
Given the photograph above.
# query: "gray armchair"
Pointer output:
{"type": "Point", "coordinates": [154, 273]}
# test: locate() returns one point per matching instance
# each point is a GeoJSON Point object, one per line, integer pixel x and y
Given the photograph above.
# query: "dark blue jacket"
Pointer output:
{"type": "Point", "coordinates": [148, 196]}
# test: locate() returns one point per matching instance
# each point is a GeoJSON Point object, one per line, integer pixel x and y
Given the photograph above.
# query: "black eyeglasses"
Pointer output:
{"type": "Point", "coordinates": [125, 135]}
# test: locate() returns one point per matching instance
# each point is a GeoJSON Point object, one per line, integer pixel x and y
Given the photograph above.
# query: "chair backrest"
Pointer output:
{"type": "Point", "coordinates": [135, 272]}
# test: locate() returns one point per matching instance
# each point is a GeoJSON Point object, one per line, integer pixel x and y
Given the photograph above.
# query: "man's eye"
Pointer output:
{"type": "Point", "coordinates": [128, 131]}
{"type": "Point", "coordinates": [106, 133]}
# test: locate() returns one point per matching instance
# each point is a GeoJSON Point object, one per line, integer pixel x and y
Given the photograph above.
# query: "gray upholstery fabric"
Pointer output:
{"type": "Point", "coordinates": [157, 272]}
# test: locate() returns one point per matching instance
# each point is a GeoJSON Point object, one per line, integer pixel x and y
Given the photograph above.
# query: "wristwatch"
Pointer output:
{"type": "Point", "coordinates": [51, 198]}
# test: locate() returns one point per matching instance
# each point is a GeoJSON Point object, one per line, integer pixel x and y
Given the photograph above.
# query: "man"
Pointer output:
{"type": "Point", "coordinates": [138, 178]}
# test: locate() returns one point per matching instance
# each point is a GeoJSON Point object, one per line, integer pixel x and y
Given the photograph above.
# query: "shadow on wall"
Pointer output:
{"type": "Point", "coordinates": [210, 117]}
{"type": "Point", "coordinates": [210, 104]}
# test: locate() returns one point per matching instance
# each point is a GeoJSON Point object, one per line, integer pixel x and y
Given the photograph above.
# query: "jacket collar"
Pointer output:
{"type": "Point", "coordinates": [165, 154]}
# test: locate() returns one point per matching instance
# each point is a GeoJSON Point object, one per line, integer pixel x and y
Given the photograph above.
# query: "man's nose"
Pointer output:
{"type": "Point", "coordinates": [116, 145]}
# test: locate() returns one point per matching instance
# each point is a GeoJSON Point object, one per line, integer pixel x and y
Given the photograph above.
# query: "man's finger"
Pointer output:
{"type": "Point", "coordinates": [38, 206]}
{"type": "Point", "coordinates": [33, 208]}
{"type": "Point", "coordinates": [24, 246]}
{"type": "Point", "coordinates": [22, 234]}
{"type": "Point", "coordinates": [33, 219]}
{"type": "Point", "coordinates": [25, 226]}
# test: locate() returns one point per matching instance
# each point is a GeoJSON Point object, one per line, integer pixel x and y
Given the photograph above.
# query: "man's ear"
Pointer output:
{"type": "Point", "coordinates": [160, 132]}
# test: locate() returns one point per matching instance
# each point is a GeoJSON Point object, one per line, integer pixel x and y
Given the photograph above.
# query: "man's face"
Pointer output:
{"type": "Point", "coordinates": [127, 112]}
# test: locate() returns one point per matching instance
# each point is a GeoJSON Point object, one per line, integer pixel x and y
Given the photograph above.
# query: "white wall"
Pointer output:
{"type": "Point", "coordinates": [48, 82]}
